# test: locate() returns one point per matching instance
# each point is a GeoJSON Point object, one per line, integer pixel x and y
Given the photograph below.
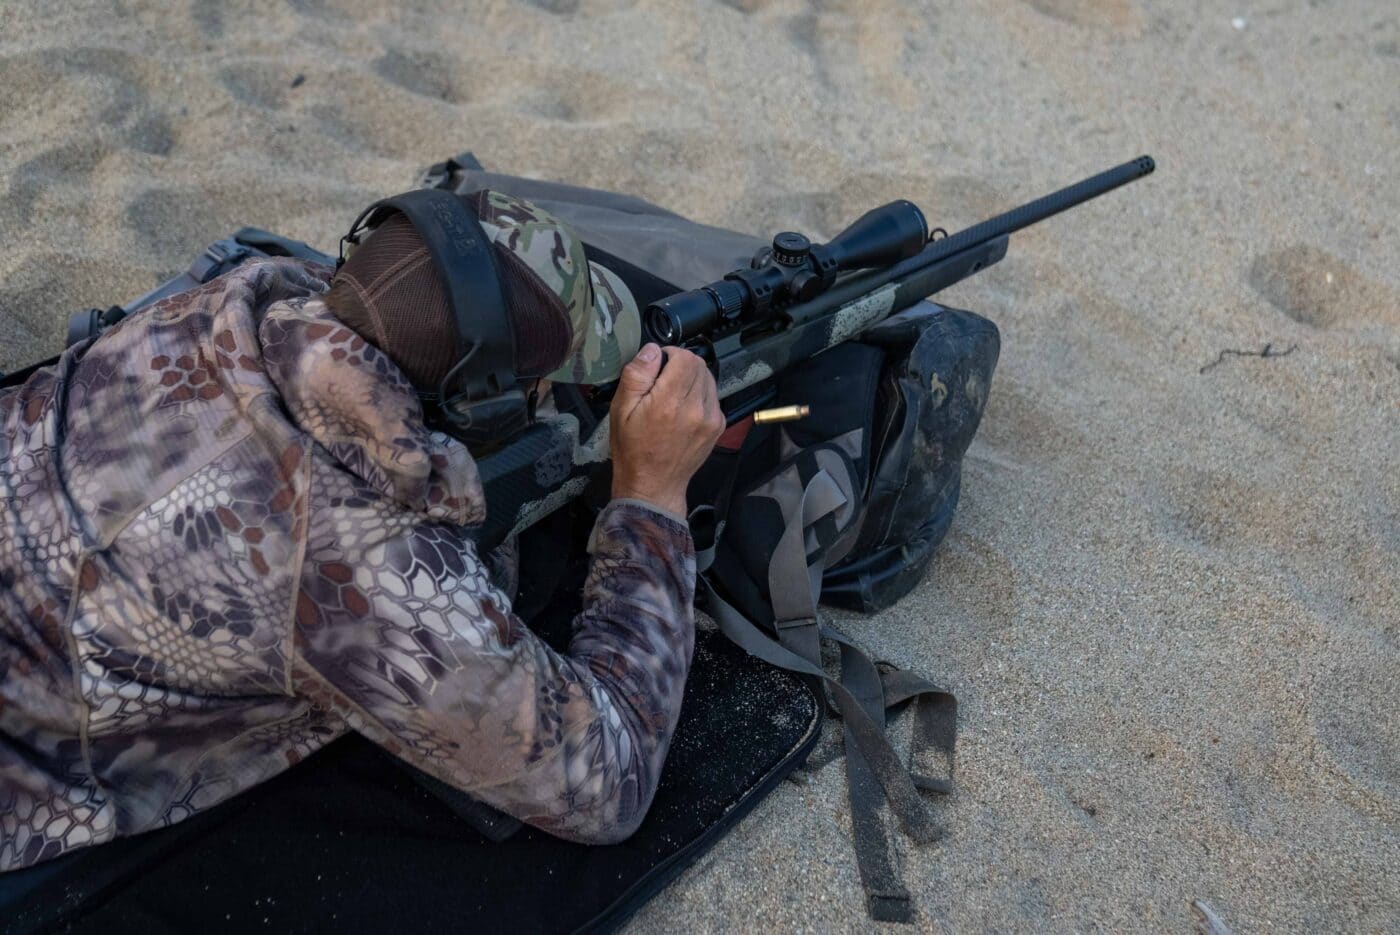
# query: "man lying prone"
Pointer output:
{"type": "Point", "coordinates": [229, 536]}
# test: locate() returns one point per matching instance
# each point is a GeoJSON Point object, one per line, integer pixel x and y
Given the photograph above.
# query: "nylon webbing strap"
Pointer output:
{"type": "Point", "coordinates": [891, 774]}
{"type": "Point", "coordinates": [876, 857]}
{"type": "Point", "coordinates": [935, 726]}
{"type": "Point", "coordinates": [793, 584]}
{"type": "Point", "coordinates": [863, 694]}
{"type": "Point", "coordinates": [935, 720]}
{"type": "Point", "coordinates": [704, 555]}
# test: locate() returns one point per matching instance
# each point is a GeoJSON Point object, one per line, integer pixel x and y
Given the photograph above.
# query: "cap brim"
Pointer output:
{"type": "Point", "coordinates": [613, 335]}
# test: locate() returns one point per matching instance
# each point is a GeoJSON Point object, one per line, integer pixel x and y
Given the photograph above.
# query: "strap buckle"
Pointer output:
{"type": "Point", "coordinates": [796, 623]}
{"type": "Point", "coordinates": [217, 257]}
{"type": "Point", "coordinates": [439, 174]}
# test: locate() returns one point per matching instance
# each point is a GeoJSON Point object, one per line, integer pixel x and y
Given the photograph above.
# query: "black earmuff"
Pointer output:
{"type": "Point", "coordinates": [480, 397]}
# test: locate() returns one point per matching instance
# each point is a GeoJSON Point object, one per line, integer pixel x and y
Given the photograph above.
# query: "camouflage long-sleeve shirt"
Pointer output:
{"type": "Point", "coordinates": [227, 538]}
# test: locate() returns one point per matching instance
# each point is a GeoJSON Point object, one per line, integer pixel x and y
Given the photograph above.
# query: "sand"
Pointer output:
{"type": "Point", "coordinates": [1169, 603]}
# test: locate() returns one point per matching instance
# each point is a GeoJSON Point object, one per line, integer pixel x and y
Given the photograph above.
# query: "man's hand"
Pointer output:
{"type": "Point", "coordinates": [664, 423]}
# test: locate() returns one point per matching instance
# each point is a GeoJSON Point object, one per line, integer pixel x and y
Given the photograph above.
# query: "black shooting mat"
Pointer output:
{"type": "Point", "coordinates": [349, 842]}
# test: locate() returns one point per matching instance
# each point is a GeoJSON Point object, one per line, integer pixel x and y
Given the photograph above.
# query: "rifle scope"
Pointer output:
{"type": "Point", "coordinates": [793, 270]}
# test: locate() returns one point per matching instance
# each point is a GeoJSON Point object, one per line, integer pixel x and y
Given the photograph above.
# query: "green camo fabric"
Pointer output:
{"type": "Point", "coordinates": [605, 323]}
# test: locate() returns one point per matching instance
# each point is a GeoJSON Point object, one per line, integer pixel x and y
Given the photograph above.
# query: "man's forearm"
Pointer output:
{"type": "Point", "coordinates": [428, 660]}
{"type": "Point", "coordinates": [636, 634]}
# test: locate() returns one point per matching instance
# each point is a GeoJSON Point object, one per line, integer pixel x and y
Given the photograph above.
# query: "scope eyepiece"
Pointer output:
{"type": "Point", "coordinates": [678, 318]}
{"type": "Point", "coordinates": [663, 325]}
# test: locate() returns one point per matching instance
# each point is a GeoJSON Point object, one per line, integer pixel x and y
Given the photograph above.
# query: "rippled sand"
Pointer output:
{"type": "Point", "coordinates": [1169, 604]}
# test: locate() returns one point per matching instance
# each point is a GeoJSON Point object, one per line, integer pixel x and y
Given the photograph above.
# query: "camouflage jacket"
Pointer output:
{"type": "Point", "coordinates": [228, 538]}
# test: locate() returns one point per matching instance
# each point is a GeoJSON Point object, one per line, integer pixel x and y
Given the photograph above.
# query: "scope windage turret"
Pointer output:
{"type": "Point", "coordinates": [793, 269]}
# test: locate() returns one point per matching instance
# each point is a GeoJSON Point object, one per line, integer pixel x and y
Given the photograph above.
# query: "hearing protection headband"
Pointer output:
{"type": "Point", "coordinates": [480, 396]}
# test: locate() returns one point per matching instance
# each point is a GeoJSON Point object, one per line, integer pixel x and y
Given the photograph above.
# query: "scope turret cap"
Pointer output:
{"type": "Point", "coordinates": [791, 249]}
{"type": "Point", "coordinates": [573, 321]}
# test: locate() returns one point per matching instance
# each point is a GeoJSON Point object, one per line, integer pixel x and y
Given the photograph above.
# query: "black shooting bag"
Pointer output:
{"type": "Point", "coordinates": [933, 388]}
{"type": "Point", "coordinates": [845, 507]}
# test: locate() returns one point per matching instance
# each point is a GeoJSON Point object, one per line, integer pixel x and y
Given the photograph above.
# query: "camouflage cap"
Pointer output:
{"type": "Point", "coordinates": [605, 324]}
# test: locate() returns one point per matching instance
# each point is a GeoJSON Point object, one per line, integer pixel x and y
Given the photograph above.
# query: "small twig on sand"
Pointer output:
{"type": "Point", "coordinates": [1207, 922]}
{"type": "Point", "coordinates": [1267, 351]}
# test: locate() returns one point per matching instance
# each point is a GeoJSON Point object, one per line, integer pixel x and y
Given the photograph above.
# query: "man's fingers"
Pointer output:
{"type": "Point", "coordinates": [683, 368]}
{"type": "Point", "coordinates": [714, 411]}
{"type": "Point", "coordinates": [683, 382]}
{"type": "Point", "coordinates": [637, 379]}
{"type": "Point", "coordinates": [640, 373]}
{"type": "Point", "coordinates": [712, 395]}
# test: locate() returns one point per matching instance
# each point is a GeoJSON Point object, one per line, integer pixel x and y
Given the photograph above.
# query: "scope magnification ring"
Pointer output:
{"type": "Point", "coordinates": [730, 301]}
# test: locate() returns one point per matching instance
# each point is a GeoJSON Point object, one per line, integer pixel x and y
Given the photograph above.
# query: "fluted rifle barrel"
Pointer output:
{"type": "Point", "coordinates": [1033, 212]}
